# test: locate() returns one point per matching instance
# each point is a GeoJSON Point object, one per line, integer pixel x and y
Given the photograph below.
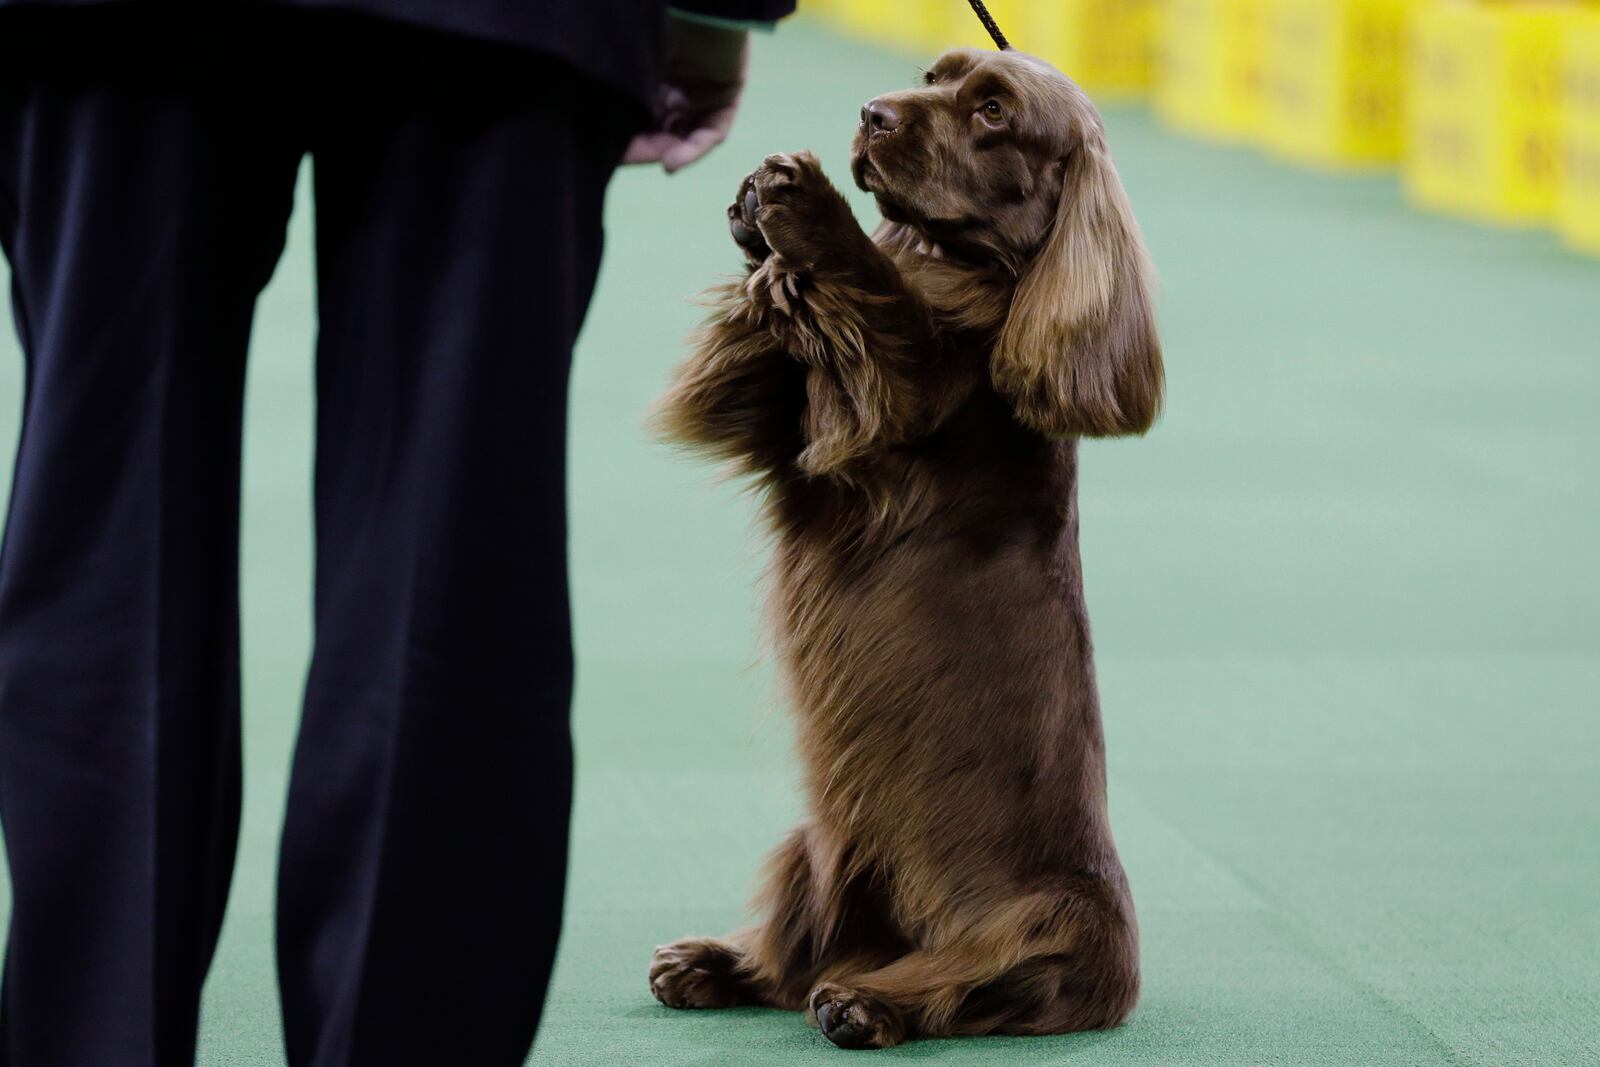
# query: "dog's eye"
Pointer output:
{"type": "Point", "coordinates": [928, 77]}
{"type": "Point", "coordinates": [992, 112]}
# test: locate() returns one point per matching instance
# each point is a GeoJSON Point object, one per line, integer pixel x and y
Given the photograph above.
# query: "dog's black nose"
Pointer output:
{"type": "Point", "coordinates": [877, 116]}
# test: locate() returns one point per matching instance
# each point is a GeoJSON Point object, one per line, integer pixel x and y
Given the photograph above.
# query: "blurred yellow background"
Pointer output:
{"type": "Point", "coordinates": [1490, 109]}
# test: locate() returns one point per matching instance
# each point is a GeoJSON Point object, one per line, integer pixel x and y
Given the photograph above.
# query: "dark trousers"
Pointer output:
{"type": "Point", "coordinates": [147, 169]}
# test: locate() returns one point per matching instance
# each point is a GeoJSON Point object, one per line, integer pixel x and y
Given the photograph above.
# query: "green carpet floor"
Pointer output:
{"type": "Point", "coordinates": [1345, 598]}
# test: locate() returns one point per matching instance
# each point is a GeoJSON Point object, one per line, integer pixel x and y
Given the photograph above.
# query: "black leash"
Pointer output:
{"type": "Point", "coordinates": [990, 25]}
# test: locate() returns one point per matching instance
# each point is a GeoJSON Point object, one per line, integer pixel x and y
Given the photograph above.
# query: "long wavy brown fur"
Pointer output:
{"type": "Point", "coordinates": [909, 406]}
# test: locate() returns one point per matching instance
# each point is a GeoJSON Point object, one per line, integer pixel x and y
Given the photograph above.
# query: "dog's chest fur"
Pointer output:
{"type": "Point", "coordinates": [937, 657]}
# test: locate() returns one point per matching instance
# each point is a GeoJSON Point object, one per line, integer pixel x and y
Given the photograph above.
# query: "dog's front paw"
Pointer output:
{"type": "Point", "coordinates": [853, 1019]}
{"type": "Point", "coordinates": [787, 206]}
{"type": "Point", "coordinates": [695, 973]}
{"type": "Point", "coordinates": [742, 221]}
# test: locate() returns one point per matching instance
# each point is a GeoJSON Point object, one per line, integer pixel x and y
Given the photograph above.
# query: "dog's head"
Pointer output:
{"type": "Point", "coordinates": [1000, 159]}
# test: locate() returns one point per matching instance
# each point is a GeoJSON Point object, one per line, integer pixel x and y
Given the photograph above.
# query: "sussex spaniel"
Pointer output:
{"type": "Point", "coordinates": [909, 405]}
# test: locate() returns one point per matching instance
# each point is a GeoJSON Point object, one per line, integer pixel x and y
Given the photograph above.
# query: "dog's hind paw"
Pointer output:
{"type": "Point", "coordinates": [696, 973]}
{"type": "Point", "coordinates": [852, 1019]}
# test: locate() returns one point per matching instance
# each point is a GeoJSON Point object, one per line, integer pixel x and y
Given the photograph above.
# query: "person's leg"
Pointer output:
{"type": "Point", "coordinates": [139, 226]}
{"type": "Point", "coordinates": [459, 193]}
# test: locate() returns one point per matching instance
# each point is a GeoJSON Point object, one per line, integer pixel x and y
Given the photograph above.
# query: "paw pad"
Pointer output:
{"type": "Point", "coordinates": [693, 975]}
{"type": "Point", "coordinates": [856, 1020]}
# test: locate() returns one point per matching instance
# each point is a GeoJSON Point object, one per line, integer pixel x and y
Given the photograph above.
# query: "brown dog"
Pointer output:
{"type": "Point", "coordinates": [910, 405]}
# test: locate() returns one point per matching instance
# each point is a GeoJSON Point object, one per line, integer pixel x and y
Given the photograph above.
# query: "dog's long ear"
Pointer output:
{"type": "Point", "coordinates": [1078, 353]}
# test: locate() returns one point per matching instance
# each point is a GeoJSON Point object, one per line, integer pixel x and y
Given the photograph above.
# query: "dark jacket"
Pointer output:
{"type": "Point", "coordinates": [616, 41]}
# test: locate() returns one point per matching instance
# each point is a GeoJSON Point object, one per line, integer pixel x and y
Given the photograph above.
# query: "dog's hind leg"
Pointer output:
{"type": "Point", "coordinates": [1049, 962]}
{"type": "Point", "coordinates": [819, 915]}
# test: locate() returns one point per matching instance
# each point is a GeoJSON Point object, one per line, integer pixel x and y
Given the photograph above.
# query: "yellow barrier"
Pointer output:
{"type": "Point", "coordinates": [923, 28]}
{"type": "Point", "coordinates": [953, 25]}
{"type": "Point", "coordinates": [1333, 79]}
{"type": "Point", "coordinates": [1578, 211]}
{"type": "Point", "coordinates": [829, 11]}
{"type": "Point", "coordinates": [1208, 67]}
{"type": "Point", "coordinates": [1104, 45]}
{"type": "Point", "coordinates": [1483, 118]}
{"type": "Point", "coordinates": [871, 20]}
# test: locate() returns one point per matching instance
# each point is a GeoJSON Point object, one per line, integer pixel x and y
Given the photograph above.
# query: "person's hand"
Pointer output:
{"type": "Point", "coordinates": [702, 75]}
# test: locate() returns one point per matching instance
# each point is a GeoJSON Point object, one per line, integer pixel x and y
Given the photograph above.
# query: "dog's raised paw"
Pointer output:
{"type": "Point", "coordinates": [742, 220]}
{"type": "Point", "coordinates": [851, 1019]}
{"type": "Point", "coordinates": [787, 176]}
{"type": "Point", "coordinates": [695, 973]}
{"type": "Point", "coordinates": [788, 207]}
